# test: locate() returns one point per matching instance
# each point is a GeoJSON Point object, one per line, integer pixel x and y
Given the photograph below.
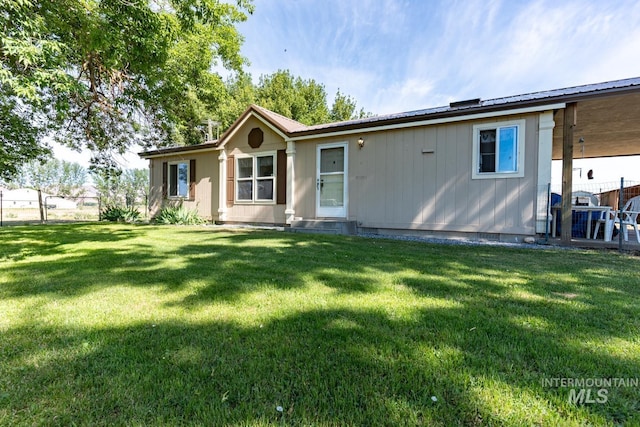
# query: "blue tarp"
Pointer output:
{"type": "Point", "coordinates": [579, 220]}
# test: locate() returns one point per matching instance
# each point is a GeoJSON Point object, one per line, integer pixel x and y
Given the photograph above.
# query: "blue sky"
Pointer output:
{"type": "Point", "coordinates": [402, 55]}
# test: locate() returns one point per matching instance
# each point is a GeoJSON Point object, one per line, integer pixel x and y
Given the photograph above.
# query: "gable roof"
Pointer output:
{"type": "Point", "coordinates": [284, 123]}
{"type": "Point", "coordinates": [291, 129]}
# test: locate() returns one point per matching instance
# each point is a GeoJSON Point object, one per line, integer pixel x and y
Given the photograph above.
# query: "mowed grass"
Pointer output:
{"type": "Point", "coordinates": [145, 325]}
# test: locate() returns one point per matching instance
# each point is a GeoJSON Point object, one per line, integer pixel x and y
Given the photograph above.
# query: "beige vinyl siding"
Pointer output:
{"type": "Point", "coordinates": [305, 180]}
{"type": "Point", "coordinates": [393, 184]}
{"type": "Point", "coordinates": [155, 186]}
{"type": "Point", "coordinates": [267, 212]}
{"type": "Point", "coordinates": [258, 213]}
{"type": "Point", "coordinates": [207, 188]}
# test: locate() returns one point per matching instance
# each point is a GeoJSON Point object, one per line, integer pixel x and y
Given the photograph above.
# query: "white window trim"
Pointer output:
{"type": "Point", "coordinates": [254, 178]}
{"type": "Point", "coordinates": [177, 196]}
{"type": "Point", "coordinates": [519, 173]}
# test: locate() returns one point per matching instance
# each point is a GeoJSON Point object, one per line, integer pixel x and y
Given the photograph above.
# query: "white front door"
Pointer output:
{"type": "Point", "coordinates": [331, 181]}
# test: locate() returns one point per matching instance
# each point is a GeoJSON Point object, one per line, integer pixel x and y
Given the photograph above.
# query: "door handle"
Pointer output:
{"type": "Point", "coordinates": [319, 183]}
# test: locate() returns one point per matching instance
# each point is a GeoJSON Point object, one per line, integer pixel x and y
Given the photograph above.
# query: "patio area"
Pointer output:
{"type": "Point", "coordinates": [596, 215]}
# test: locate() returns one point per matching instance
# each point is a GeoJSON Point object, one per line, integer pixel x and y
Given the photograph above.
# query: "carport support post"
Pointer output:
{"type": "Point", "coordinates": [570, 121]}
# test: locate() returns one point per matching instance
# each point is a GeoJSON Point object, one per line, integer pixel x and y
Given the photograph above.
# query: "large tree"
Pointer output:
{"type": "Point", "coordinates": [103, 74]}
{"type": "Point", "coordinates": [56, 177]}
{"type": "Point", "coordinates": [293, 97]}
{"type": "Point", "coordinates": [240, 93]}
{"type": "Point", "coordinates": [30, 63]}
{"type": "Point", "coordinates": [135, 184]}
{"type": "Point", "coordinates": [301, 100]}
{"type": "Point", "coordinates": [345, 108]}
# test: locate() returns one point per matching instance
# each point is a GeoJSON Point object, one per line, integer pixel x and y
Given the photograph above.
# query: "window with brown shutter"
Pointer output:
{"type": "Point", "coordinates": [165, 169]}
{"type": "Point", "coordinates": [230, 180]}
{"type": "Point", "coordinates": [178, 179]}
{"type": "Point", "coordinates": [192, 179]}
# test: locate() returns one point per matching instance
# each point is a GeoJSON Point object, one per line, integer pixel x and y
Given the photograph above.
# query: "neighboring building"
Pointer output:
{"type": "Point", "coordinates": [26, 198]}
{"type": "Point", "coordinates": [473, 168]}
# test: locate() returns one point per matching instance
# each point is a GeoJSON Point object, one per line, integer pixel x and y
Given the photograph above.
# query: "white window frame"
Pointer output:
{"type": "Point", "coordinates": [520, 142]}
{"type": "Point", "coordinates": [254, 178]}
{"type": "Point", "coordinates": [177, 195]}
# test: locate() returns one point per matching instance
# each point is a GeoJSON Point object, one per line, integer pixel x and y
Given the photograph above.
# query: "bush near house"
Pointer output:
{"type": "Point", "coordinates": [116, 213]}
{"type": "Point", "coordinates": [178, 215]}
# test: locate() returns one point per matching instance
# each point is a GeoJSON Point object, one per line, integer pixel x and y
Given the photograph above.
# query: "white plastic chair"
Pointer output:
{"type": "Point", "coordinates": [627, 216]}
{"type": "Point", "coordinates": [606, 217]}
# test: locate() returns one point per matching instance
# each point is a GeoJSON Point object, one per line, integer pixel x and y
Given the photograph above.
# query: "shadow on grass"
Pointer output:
{"type": "Point", "coordinates": [232, 263]}
{"type": "Point", "coordinates": [330, 367]}
{"type": "Point", "coordinates": [511, 320]}
{"type": "Point", "coordinates": [26, 241]}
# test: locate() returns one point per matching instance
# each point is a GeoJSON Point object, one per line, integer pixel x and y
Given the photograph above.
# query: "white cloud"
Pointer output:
{"type": "Point", "coordinates": [406, 95]}
{"type": "Point", "coordinates": [396, 56]}
{"type": "Point", "coordinates": [130, 160]}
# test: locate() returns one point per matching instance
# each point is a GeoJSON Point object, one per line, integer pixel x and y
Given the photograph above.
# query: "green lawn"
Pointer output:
{"type": "Point", "coordinates": [145, 325]}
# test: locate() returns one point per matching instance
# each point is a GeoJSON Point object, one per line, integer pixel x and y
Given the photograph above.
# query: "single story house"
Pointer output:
{"type": "Point", "coordinates": [475, 168]}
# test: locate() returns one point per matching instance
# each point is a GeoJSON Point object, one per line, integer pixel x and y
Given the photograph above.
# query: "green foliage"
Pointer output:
{"type": "Point", "coordinates": [293, 97]}
{"type": "Point", "coordinates": [109, 186]}
{"type": "Point", "coordinates": [283, 93]}
{"type": "Point", "coordinates": [240, 92]}
{"type": "Point", "coordinates": [344, 108]}
{"type": "Point", "coordinates": [135, 185]}
{"type": "Point", "coordinates": [43, 175]}
{"type": "Point", "coordinates": [103, 74]}
{"type": "Point", "coordinates": [32, 61]}
{"type": "Point", "coordinates": [118, 324]}
{"type": "Point", "coordinates": [72, 179]}
{"type": "Point", "coordinates": [19, 137]}
{"type": "Point", "coordinates": [129, 187]}
{"type": "Point", "coordinates": [115, 213]}
{"type": "Point", "coordinates": [178, 215]}
{"type": "Point", "coordinates": [53, 176]}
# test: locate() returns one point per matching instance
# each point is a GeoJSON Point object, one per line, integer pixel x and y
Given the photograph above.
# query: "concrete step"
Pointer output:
{"type": "Point", "coordinates": [324, 226]}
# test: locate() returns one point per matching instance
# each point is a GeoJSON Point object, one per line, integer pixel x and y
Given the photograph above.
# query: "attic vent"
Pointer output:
{"type": "Point", "coordinates": [465, 103]}
{"type": "Point", "coordinates": [256, 136]}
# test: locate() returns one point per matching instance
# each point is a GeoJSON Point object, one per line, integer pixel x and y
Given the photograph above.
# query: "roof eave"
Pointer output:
{"type": "Point", "coordinates": [469, 110]}
{"type": "Point", "coordinates": [207, 146]}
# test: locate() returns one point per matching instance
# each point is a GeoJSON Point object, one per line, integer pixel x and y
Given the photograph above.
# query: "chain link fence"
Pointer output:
{"type": "Point", "coordinates": [33, 207]}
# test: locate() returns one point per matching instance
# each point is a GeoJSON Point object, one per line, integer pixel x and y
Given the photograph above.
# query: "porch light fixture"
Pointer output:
{"type": "Point", "coordinates": [360, 142]}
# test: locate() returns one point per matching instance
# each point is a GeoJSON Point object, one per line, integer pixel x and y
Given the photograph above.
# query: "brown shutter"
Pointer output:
{"type": "Point", "coordinates": [281, 178]}
{"type": "Point", "coordinates": [164, 179]}
{"type": "Point", "coordinates": [230, 181]}
{"type": "Point", "coordinates": [192, 179]}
